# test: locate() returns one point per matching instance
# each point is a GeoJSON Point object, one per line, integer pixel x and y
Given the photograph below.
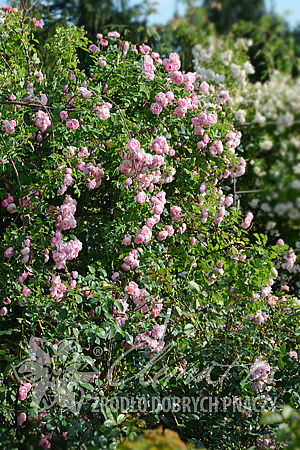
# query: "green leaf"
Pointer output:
{"type": "Point", "coordinates": [193, 286]}
{"type": "Point", "coordinates": [121, 418]}
{"type": "Point", "coordinates": [128, 338]}
{"type": "Point", "coordinates": [270, 418]}
{"type": "Point", "coordinates": [287, 412]}
{"type": "Point", "coordinates": [189, 328]}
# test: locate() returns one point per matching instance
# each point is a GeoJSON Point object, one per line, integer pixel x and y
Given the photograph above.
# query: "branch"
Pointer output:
{"type": "Point", "coordinates": [5, 62]}
{"type": "Point", "coordinates": [16, 171]}
{"type": "Point", "coordinates": [123, 118]}
{"type": "Point", "coordinates": [31, 104]}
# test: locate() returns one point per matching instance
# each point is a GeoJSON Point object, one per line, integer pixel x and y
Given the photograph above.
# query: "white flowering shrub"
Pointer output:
{"type": "Point", "coordinates": [268, 114]}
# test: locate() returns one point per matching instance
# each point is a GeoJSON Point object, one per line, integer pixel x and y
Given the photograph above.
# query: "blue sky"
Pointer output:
{"type": "Point", "coordinates": [290, 9]}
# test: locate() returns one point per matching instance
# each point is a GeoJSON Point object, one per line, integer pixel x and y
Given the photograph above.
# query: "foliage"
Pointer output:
{"type": "Point", "coordinates": [225, 13]}
{"type": "Point", "coordinates": [288, 428]}
{"type": "Point", "coordinates": [156, 439]}
{"type": "Point", "coordinates": [127, 269]}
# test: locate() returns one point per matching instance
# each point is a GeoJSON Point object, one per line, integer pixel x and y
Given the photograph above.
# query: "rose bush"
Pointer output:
{"type": "Point", "coordinates": [119, 231]}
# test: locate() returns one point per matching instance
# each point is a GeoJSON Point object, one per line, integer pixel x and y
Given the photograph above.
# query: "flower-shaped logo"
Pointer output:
{"type": "Point", "coordinates": [57, 373]}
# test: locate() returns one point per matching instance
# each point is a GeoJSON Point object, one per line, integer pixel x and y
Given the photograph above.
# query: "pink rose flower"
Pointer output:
{"type": "Point", "coordinates": [3, 311]}
{"type": "Point", "coordinates": [115, 276]}
{"type": "Point", "coordinates": [260, 371]}
{"type": "Point", "coordinates": [170, 96]}
{"type": "Point", "coordinates": [132, 289]}
{"type": "Point", "coordinates": [127, 240]}
{"type": "Point", "coordinates": [133, 145]}
{"type": "Point", "coordinates": [113, 34]}
{"type": "Point", "coordinates": [72, 124]}
{"type": "Point", "coordinates": [162, 235]}
{"type": "Point", "coordinates": [26, 291]}
{"type": "Point", "coordinates": [204, 87]}
{"type": "Point", "coordinates": [9, 252]}
{"type": "Point", "coordinates": [9, 127]}
{"type": "Point", "coordinates": [102, 61]}
{"type": "Point", "coordinates": [156, 108]}
{"type": "Point", "coordinates": [22, 418]}
{"type": "Point", "coordinates": [23, 393]}
{"type": "Point", "coordinates": [141, 197]}
{"type": "Point", "coordinates": [93, 48]}
{"type": "Point", "coordinates": [211, 119]}
{"type": "Point", "coordinates": [247, 221]}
